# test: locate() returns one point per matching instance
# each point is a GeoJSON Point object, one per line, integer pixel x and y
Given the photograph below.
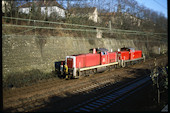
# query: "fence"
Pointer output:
{"type": "Point", "coordinates": [37, 27]}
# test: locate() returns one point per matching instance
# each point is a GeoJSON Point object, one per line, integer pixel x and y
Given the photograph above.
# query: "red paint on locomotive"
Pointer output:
{"type": "Point", "coordinates": [123, 55]}
{"type": "Point", "coordinates": [137, 54]}
{"type": "Point", "coordinates": [92, 60]}
{"type": "Point", "coordinates": [104, 58]}
{"type": "Point", "coordinates": [112, 56]}
{"type": "Point", "coordinates": [70, 62]}
{"type": "Point", "coordinates": [81, 61]}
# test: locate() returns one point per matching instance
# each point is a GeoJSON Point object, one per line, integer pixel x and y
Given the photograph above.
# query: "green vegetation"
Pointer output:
{"type": "Point", "coordinates": [26, 78]}
{"type": "Point", "coordinates": [159, 77]}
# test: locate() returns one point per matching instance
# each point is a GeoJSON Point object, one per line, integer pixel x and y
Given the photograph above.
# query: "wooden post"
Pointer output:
{"type": "Point", "coordinates": [34, 28]}
{"type": "Point", "coordinates": [158, 89]}
{"type": "Point", "coordinates": [147, 46]}
{"type": "Point", "coordinates": [110, 27]}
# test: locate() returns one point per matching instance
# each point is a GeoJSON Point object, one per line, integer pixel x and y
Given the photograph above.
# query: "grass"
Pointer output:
{"type": "Point", "coordinates": [48, 32]}
{"type": "Point", "coordinates": [26, 78]}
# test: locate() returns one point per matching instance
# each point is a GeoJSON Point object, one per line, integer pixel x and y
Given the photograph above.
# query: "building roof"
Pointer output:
{"type": "Point", "coordinates": [42, 4]}
{"type": "Point", "coordinates": [107, 14]}
{"type": "Point", "coordinates": [82, 10]}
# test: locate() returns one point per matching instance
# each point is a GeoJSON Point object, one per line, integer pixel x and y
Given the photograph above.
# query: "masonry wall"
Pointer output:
{"type": "Point", "coordinates": [23, 53]}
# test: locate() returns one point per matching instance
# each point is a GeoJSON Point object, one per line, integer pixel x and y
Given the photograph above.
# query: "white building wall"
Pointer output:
{"type": "Point", "coordinates": [50, 10]}
{"type": "Point", "coordinates": [61, 12]}
{"type": "Point", "coordinates": [3, 6]}
{"type": "Point", "coordinates": [94, 16]}
{"type": "Point", "coordinates": [25, 10]}
{"type": "Point", "coordinates": [8, 7]}
{"type": "Point", "coordinates": [43, 10]}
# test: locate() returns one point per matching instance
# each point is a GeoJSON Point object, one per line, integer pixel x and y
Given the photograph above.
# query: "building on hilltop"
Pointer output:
{"type": "Point", "coordinates": [47, 7]}
{"type": "Point", "coordinates": [106, 17]}
{"type": "Point", "coordinates": [6, 5]}
{"type": "Point", "coordinates": [119, 18]}
{"type": "Point", "coordinates": [90, 12]}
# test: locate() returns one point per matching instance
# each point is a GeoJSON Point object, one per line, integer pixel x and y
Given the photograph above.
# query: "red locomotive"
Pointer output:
{"type": "Point", "coordinates": [99, 59]}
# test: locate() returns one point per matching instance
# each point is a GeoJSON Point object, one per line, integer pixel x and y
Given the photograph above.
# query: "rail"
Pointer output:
{"type": "Point", "coordinates": [101, 102]}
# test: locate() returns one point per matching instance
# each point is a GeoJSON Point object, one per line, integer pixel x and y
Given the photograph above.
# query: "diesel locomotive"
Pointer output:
{"type": "Point", "coordinates": [97, 60]}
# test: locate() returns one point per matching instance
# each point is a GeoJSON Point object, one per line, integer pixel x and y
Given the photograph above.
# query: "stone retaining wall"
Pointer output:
{"type": "Point", "coordinates": [23, 53]}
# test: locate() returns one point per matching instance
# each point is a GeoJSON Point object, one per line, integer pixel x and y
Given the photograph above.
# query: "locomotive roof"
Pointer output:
{"type": "Point", "coordinates": [99, 49]}
{"type": "Point", "coordinates": [127, 48]}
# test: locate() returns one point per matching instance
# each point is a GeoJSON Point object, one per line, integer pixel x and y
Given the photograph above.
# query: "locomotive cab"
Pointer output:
{"type": "Point", "coordinates": [98, 50]}
{"type": "Point", "coordinates": [103, 55]}
{"type": "Point", "coordinates": [128, 49]}
{"type": "Point", "coordinates": [127, 56]}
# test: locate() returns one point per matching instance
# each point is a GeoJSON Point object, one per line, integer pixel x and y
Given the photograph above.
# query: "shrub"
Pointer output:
{"type": "Point", "coordinates": [25, 78]}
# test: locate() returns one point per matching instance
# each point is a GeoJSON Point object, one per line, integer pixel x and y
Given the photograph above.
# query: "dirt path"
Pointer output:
{"type": "Point", "coordinates": [36, 95]}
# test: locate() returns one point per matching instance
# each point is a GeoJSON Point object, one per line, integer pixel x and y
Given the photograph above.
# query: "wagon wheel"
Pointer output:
{"type": "Point", "coordinates": [95, 71]}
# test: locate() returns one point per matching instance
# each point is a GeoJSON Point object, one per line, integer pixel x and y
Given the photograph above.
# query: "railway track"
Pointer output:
{"type": "Point", "coordinates": [38, 100]}
{"type": "Point", "coordinates": [111, 97]}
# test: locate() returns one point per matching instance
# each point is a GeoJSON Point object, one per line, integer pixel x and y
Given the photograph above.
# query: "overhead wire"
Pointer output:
{"type": "Point", "coordinates": [91, 30]}
{"type": "Point", "coordinates": [159, 4]}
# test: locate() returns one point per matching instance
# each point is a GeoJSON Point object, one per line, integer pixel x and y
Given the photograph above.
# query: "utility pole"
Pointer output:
{"type": "Point", "coordinates": [147, 44]}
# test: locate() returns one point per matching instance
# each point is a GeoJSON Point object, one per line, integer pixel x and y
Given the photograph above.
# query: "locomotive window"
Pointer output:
{"type": "Point", "coordinates": [104, 53]}
{"type": "Point", "coordinates": [125, 49]}
{"type": "Point", "coordinates": [90, 51]}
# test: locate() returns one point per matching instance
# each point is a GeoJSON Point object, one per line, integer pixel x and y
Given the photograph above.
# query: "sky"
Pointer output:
{"type": "Point", "coordinates": [156, 5]}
